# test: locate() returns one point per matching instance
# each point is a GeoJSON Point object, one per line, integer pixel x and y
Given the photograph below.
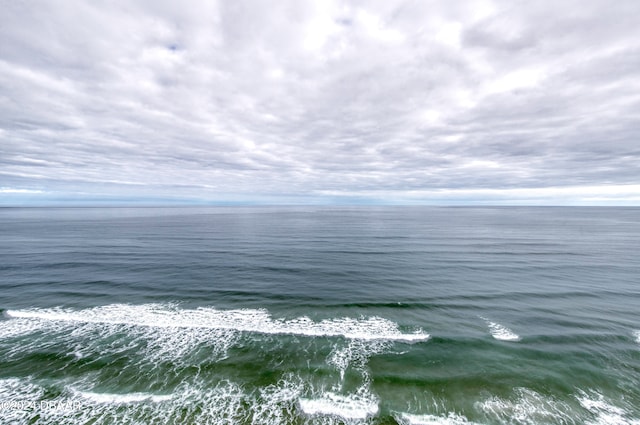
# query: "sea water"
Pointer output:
{"type": "Point", "coordinates": [320, 315]}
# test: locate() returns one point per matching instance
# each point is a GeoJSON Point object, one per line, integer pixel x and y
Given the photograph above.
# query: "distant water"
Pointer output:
{"type": "Point", "coordinates": [320, 316]}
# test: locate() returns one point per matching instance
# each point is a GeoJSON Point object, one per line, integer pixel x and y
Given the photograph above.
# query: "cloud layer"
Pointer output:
{"type": "Point", "coordinates": [249, 101]}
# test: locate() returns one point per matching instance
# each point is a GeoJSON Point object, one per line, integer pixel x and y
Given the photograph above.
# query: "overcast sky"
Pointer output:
{"type": "Point", "coordinates": [534, 102]}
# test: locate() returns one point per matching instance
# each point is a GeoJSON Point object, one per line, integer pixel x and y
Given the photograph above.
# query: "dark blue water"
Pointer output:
{"type": "Point", "coordinates": [382, 315]}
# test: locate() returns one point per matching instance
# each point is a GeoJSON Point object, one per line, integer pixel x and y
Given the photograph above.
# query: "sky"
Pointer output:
{"type": "Point", "coordinates": [320, 102]}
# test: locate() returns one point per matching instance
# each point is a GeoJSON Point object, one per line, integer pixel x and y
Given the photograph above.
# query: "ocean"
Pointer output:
{"type": "Point", "coordinates": [320, 315]}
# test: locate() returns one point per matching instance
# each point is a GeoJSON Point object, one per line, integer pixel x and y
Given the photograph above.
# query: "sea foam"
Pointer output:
{"type": "Point", "coordinates": [122, 398]}
{"type": "Point", "coordinates": [242, 320]}
{"type": "Point", "coordinates": [603, 411]}
{"type": "Point", "coordinates": [501, 332]}
{"type": "Point", "coordinates": [449, 419]}
{"type": "Point", "coordinates": [224, 403]}
{"type": "Point", "coordinates": [525, 406]}
{"type": "Point", "coordinates": [346, 407]}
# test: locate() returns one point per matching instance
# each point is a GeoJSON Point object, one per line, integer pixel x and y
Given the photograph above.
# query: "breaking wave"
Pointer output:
{"type": "Point", "coordinates": [242, 320]}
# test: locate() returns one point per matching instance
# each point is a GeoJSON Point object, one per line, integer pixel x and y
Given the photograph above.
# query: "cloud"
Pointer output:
{"type": "Point", "coordinates": [275, 102]}
{"type": "Point", "coordinates": [12, 190]}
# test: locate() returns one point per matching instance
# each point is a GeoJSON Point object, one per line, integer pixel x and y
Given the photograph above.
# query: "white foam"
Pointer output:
{"type": "Point", "coordinates": [14, 389]}
{"type": "Point", "coordinates": [501, 332]}
{"type": "Point", "coordinates": [526, 407]}
{"type": "Point", "coordinates": [450, 419]}
{"type": "Point", "coordinates": [603, 411]}
{"type": "Point", "coordinates": [199, 402]}
{"type": "Point", "coordinates": [243, 320]}
{"type": "Point", "coordinates": [101, 398]}
{"type": "Point", "coordinates": [346, 407]}
{"type": "Point", "coordinates": [94, 338]}
{"type": "Point", "coordinates": [277, 404]}
{"type": "Point", "coordinates": [17, 398]}
{"type": "Point", "coordinates": [13, 328]}
{"type": "Point", "coordinates": [636, 334]}
{"type": "Point", "coordinates": [355, 354]}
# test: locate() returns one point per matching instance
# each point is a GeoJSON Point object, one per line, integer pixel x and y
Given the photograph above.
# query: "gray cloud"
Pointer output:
{"type": "Point", "coordinates": [314, 101]}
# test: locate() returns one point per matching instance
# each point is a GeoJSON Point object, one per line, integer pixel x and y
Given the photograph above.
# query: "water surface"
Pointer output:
{"type": "Point", "coordinates": [305, 315]}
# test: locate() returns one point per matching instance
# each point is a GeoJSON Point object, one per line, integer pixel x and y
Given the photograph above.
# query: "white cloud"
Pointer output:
{"type": "Point", "coordinates": [515, 80]}
{"type": "Point", "coordinates": [534, 196]}
{"type": "Point", "coordinates": [262, 100]}
{"type": "Point", "coordinates": [21, 191]}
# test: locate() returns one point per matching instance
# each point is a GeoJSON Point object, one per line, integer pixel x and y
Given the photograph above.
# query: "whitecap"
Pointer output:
{"type": "Point", "coordinates": [243, 320]}
{"type": "Point", "coordinates": [449, 419]}
{"type": "Point", "coordinates": [604, 413]}
{"type": "Point", "coordinates": [526, 406]}
{"type": "Point", "coordinates": [344, 406]}
{"type": "Point", "coordinates": [101, 398]}
{"type": "Point", "coordinates": [16, 328]}
{"type": "Point", "coordinates": [225, 403]}
{"type": "Point", "coordinates": [501, 332]}
{"type": "Point", "coordinates": [18, 398]}
{"type": "Point", "coordinates": [355, 354]}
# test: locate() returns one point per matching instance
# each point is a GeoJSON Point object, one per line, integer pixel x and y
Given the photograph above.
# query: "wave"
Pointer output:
{"type": "Point", "coordinates": [223, 403]}
{"type": "Point", "coordinates": [449, 419]}
{"type": "Point", "coordinates": [346, 407]}
{"type": "Point", "coordinates": [242, 320]}
{"type": "Point", "coordinates": [529, 406]}
{"type": "Point", "coordinates": [101, 398]}
{"type": "Point", "coordinates": [290, 400]}
{"type": "Point", "coordinates": [636, 334]}
{"type": "Point", "coordinates": [526, 406]}
{"type": "Point", "coordinates": [15, 328]}
{"type": "Point", "coordinates": [603, 412]}
{"type": "Point", "coordinates": [501, 332]}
